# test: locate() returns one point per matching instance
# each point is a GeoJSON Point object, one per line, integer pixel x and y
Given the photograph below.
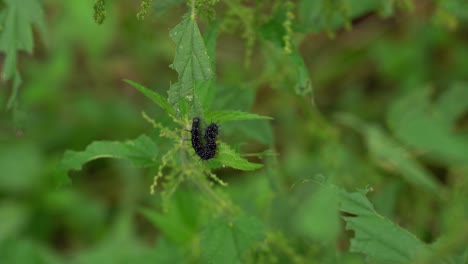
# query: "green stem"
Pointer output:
{"type": "Point", "coordinates": [192, 16]}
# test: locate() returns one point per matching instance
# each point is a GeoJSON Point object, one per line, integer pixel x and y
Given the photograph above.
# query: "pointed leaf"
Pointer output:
{"type": "Point", "coordinates": [154, 96]}
{"type": "Point", "coordinates": [221, 116]}
{"type": "Point", "coordinates": [230, 158]}
{"type": "Point", "coordinates": [191, 62]}
{"type": "Point", "coordinates": [376, 236]}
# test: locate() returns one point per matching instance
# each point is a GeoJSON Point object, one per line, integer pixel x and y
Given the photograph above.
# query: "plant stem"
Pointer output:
{"type": "Point", "coordinates": [192, 16]}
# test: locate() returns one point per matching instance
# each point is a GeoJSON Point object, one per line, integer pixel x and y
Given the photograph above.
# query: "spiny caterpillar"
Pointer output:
{"type": "Point", "coordinates": [205, 150]}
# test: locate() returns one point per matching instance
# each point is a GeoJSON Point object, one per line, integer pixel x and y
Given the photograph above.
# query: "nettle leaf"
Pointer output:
{"type": "Point", "coordinates": [228, 242]}
{"type": "Point", "coordinates": [431, 126]}
{"type": "Point", "coordinates": [374, 235]}
{"type": "Point", "coordinates": [388, 153]}
{"type": "Point", "coordinates": [392, 156]}
{"type": "Point", "coordinates": [192, 63]}
{"type": "Point", "coordinates": [154, 96]}
{"type": "Point", "coordinates": [226, 156]}
{"type": "Point", "coordinates": [222, 116]}
{"type": "Point", "coordinates": [16, 21]}
{"type": "Point", "coordinates": [141, 152]}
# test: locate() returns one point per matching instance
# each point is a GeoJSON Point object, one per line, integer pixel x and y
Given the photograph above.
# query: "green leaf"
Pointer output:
{"type": "Point", "coordinates": [141, 152]}
{"type": "Point", "coordinates": [230, 158]}
{"type": "Point", "coordinates": [222, 116]}
{"type": "Point", "coordinates": [274, 32]}
{"type": "Point", "coordinates": [16, 21]}
{"type": "Point", "coordinates": [18, 17]}
{"type": "Point", "coordinates": [228, 241]}
{"type": "Point", "coordinates": [192, 63]}
{"type": "Point", "coordinates": [391, 155]}
{"type": "Point", "coordinates": [303, 82]}
{"type": "Point", "coordinates": [431, 127]}
{"type": "Point", "coordinates": [376, 236]}
{"type": "Point", "coordinates": [154, 96]}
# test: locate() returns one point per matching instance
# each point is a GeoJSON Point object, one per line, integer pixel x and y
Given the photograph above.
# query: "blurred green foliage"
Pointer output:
{"type": "Point", "coordinates": [364, 159]}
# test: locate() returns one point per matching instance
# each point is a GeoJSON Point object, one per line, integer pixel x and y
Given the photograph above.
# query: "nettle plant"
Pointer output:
{"type": "Point", "coordinates": [230, 234]}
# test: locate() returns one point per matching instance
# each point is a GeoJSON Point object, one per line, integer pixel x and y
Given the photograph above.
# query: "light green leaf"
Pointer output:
{"type": "Point", "coordinates": [191, 62]}
{"type": "Point", "coordinates": [154, 96]}
{"type": "Point", "coordinates": [374, 235]}
{"type": "Point", "coordinates": [227, 241]}
{"type": "Point", "coordinates": [230, 158]}
{"type": "Point", "coordinates": [303, 82]}
{"type": "Point", "coordinates": [222, 116]}
{"type": "Point", "coordinates": [18, 18]}
{"type": "Point", "coordinates": [141, 152]}
{"type": "Point", "coordinates": [16, 21]}
{"type": "Point", "coordinates": [430, 127]}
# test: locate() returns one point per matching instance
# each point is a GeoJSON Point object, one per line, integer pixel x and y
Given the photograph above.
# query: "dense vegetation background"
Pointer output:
{"type": "Point", "coordinates": [343, 131]}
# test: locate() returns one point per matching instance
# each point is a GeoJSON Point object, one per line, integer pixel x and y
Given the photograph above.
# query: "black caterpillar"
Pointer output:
{"type": "Point", "coordinates": [205, 150]}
